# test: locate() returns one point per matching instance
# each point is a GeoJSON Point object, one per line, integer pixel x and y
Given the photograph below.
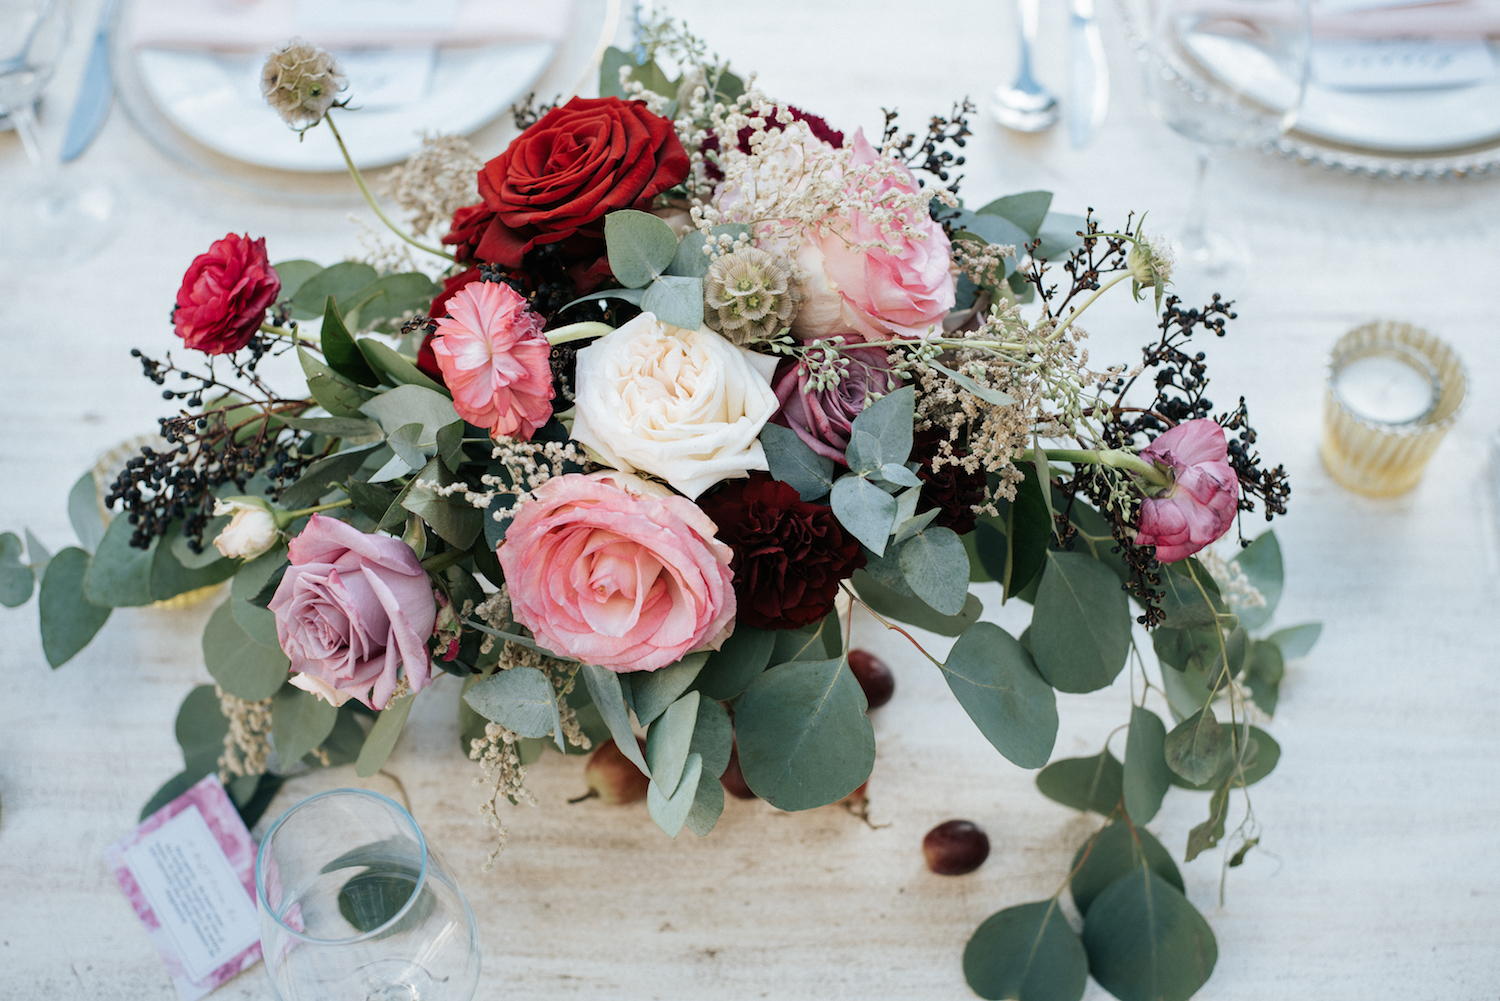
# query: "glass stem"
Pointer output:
{"type": "Point", "coordinates": [25, 125]}
{"type": "Point", "coordinates": [1195, 229]}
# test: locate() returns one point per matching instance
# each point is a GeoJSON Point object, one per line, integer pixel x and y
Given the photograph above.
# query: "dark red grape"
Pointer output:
{"type": "Point", "coordinates": [873, 676]}
{"type": "Point", "coordinates": [733, 779]}
{"type": "Point", "coordinates": [955, 847]}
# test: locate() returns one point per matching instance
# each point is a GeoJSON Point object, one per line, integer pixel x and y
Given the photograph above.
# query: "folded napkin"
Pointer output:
{"type": "Point", "coordinates": [254, 25]}
{"type": "Point", "coordinates": [1456, 20]}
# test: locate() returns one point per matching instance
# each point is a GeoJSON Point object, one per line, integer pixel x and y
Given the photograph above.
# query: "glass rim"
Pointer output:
{"type": "Point", "coordinates": [260, 854]}
{"type": "Point", "coordinates": [1390, 331]}
{"type": "Point", "coordinates": [1418, 361]}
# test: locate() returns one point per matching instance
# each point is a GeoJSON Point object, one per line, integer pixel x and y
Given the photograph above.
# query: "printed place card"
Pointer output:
{"type": "Point", "coordinates": [1401, 64]}
{"type": "Point", "coordinates": [189, 872]}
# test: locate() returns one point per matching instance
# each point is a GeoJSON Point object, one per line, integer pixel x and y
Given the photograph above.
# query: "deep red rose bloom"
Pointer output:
{"type": "Point", "coordinates": [557, 179]}
{"type": "Point", "coordinates": [225, 295]}
{"type": "Point", "coordinates": [951, 489]}
{"type": "Point", "coordinates": [468, 229]}
{"type": "Point", "coordinates": [789, 555]}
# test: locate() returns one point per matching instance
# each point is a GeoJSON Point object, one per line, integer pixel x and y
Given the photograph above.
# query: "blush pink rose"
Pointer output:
{"type": "Point", "coordinates": [1201, 503]}
{"type": "Point", "coordinates": [874, 292]}
{"type": "Point", "coordinates": [352, 610]}
{"type": "Point", "coordinates": [617, 577]}
{"type": "Point", "coordinates": [494, 359]}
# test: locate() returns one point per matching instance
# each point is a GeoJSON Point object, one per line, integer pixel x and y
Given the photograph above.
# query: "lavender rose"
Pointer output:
{"type": "Point", "coordinates": [822, 417]}
{"type": "Point", "coordinates": [352, 610]}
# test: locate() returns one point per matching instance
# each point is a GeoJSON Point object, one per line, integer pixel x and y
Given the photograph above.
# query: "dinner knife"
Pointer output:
{"type": "Point", "coordinates": [1088, 74]}
{"type": "Point", "coordinates": [96, 93]}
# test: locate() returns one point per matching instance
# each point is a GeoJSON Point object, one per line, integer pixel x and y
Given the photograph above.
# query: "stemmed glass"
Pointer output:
{"type": "Point", "coordinates": [1227, 74]}
{"type": "Point", "coordinates": [356, 906]}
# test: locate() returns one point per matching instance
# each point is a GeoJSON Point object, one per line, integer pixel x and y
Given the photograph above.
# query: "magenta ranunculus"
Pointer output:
{"type": "Point", "coordinates": [352, 610]}
{"type": "Point", "coordinates": [1201, 503]}
{"type": "Point", "coordinates": [495, 360]}
{"type": "Point", "coordinates": [822, 417]}
{"type": "Point", "coordinates": [616, 576]}
{"type": "Point", "coordinates": [876, 292]}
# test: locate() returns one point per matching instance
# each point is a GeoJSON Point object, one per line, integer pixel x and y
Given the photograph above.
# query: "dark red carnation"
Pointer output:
{"type": "Point", "coordinates": [225, 294]}
{"type": "Point", "coordinates": [950, 489]}
{"type": "Point", "coordinates": [789, 555]}
{"type": "Point", "coordinates": [816, 125]}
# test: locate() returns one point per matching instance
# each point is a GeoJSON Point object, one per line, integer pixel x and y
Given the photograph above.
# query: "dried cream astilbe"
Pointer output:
{"type": "Point", "coordinates": [501, 770]}
{"type": "Point", "coordinates": [301, 82]}
{"type": "Point", "coordinates": [439, 179]}
{"type": "Point", "coordinates": [247, 745]}
{"type": "Point", "coordinates": [750, 295]}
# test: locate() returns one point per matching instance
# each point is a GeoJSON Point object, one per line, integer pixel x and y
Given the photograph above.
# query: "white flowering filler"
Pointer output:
{"type": "Point", "coordinates": [684, 405]}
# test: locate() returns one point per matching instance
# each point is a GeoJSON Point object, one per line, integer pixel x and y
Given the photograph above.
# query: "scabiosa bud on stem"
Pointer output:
{"type": "Point", "coordinates": [301, 82]}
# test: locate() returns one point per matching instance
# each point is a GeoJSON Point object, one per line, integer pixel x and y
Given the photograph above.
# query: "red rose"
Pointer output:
{"type": "Point", "coordinates": [789, 555]}
{"type": "Point", "coordinates": [225, 295]}
{"type": "Point", "coordinates": [468, 229]}
{"type": "Point", "coordinates": [559, 178]}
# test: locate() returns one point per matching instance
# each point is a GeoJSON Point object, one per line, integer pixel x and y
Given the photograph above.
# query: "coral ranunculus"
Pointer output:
{"type": "Point", "coordinates": [494, 359]}
{"type": "Point", "coordinates": [1201, 503]}
{"type": "Point", "coordinates": [352, 611]}
{"type": "Point", "coordinates": [225, 294]}
{"type": "Point", "coordinates": [614, 576]}
{"type": "Point", "coordinates": [789, 555]}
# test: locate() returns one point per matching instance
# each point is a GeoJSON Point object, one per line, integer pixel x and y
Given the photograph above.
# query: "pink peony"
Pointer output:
{"type": "Point", "coordinates": [874, 292]}
{"type": "Point", "coordinates": [351, 610]}
{"type": "Point", "coordinates": [1200, 505]}
{"type": "Point", "coordinates": [494, 359]}
{"type": "Point", "coordinates": [617, 577]}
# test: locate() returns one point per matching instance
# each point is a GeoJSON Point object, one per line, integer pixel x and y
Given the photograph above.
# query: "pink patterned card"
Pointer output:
{"type": "Point", "coordinates": [189, 872]}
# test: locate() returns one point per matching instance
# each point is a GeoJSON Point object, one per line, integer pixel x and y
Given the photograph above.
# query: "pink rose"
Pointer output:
{"type": "Point", "coordinates": [875, 292]}
{"type": "Point", "coordinates": [1200, 504]}
{"type": "Point", "coordinates": [617, 577]}
{"type": "Point", "coordinates": [352, 609]}
{"type": "Point", "coordinates": [823, 417]}
{"type": "Point", "coordinates": [494, 359]}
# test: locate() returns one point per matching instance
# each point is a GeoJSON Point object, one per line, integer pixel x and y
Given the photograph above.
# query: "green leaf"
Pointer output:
{"type": "Point", "coordinates": [1207, 834]}
{"type": "Point", "coordinates": [985, 393]}
{"type": "Point", "coordinates": [1261, 562]}
{"type": "Point", "coordinates": [342, 281]}
{"type": "Point", "coordinates": [373, 898]}
{"type": "Point", "coordinates": [669, 740]}
{"type": "Point", "coordinates": [882, 432]}
{"type": "Point", "coordinates": [1059, 236]}
{"type": "Point", "coordinates": [994, 229]}
{"type": "Point", "coordinates": [340, 352]}
{"type": "Point", "coordinates": [520, 699]}
{"type": "Point", "coordinates": [348, 737]}
{"type": "Point", "coordinates": [450, 445]}
{"type": "Point", "coordinates": [200, 730]}
{"type": "Point", "coordinates": [170, 578]}
{"type": "Point", "coordinates": [609, 71]}
{"type": "Point", "coordinates": [1145, 942]}
{"type": "Point", "coordinates": [604, 688]}
{"type": "Point", "coordinates": [319, 477]}
{"type": "Point", "coordinates": [1264, 669]}
{"type": "Point", "coordinates": [392, 298]}
{"type": "Point", "coordinates": [182, 545]}
{"type": "Point", "coordinates": [1028, 952]}
{"type": "Point", "coordinates": [84, 512]}
{"type": "Point", "coordinates": [674, 300]}
{"type": "Point", "coordinates": [452, 518]}
{"type": "Point", "coordinates": [407, 442]}
{"type": "Point", "coordinates": [383, 735]}
{"type": "Point", "coordinates": [1147, 776]}
{"type": "Point", "coordinates": [119, 575]}
{"type": "Point", "coordinates": [914, 611]}
{"type": "Point", "coordinates": [397, 368]}
{"type": "Point", "coordinates": [240, 665]}
{"type": "Point", "coordinates": [651, 692]}
{"type": "Point", "coordinates": [713, 737]}
{"type": "Point", "coordinates": [1080, 631]}
{"type": "Point", "coordinates": [640, 247]}
{"type": "Point", "coordinates": [1261, 756]}
{"type": "Point", "coordinates": [936, 568]}
{"type": "Point", "coordinates": [1296, 641]}
{"type": "Point", "coordinates": [690, 261]}
{"type": "Point", "coordinates": [333, 393]}
{"type": "Point", "coordinates": [300, 722]}
{"type": "Point", "coordinates": [412, 405]}
{"type": "Point", "coordinates": [671, 812]}
{"type": "Point", "coordinates": [1197, 747]}
{"type": "Point", "coordinates": [174, 787]}
{"type": "Point", "coordinates": [1118, 851]}
{"type": "Point", "coordinates": [795, 464]}
{"type": "Point", "coordinates": [815, 642]}
{"type": "Point", "coordinates": [733, 666]}
{"type": "Point", "coordinates": [1188, 648]}
{"type": "Point", "coordinates": [708, 804]}
{"type": "Point", "coordinates": [804, 739]}
{"type": "Point", "coordinates": [1187, 690]}
{"type": "Point", "coordinates": [1027, 210]}
{"type": "Point", "coordinates": [996, 682]}
{"type": "Point", "coordinates": [865, 510]}
{"type": "Point", "coordinates": [335, 427]}
{"type": "Point", "coordinates": [1182, 602]}
{"type": "Point", "coordinates": [293, 275]}
{"type": "Point", "coordinates": [16, 578]}
{"type": "Point", "coordinates": [630, 295]}
{"type": "Point", "coordinates": [36, 554]}
{"type": "Point", "coordinates": [1095, 783]}
{"type": "Point", "coordinates": [69, 621]}
{"type": "Point", "coordinates": [1028, 528]}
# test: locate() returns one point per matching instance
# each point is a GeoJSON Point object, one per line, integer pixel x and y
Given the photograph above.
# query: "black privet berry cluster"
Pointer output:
{"type": "Point", "coordinates": [930, 155]}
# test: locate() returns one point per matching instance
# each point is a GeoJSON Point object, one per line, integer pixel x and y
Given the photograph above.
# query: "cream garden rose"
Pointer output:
{"type": "Point", "coordinates": [684, 405]}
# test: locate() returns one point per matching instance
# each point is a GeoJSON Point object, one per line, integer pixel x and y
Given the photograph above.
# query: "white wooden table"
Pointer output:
{"type": "Point", "coordinates": [1378, 877]}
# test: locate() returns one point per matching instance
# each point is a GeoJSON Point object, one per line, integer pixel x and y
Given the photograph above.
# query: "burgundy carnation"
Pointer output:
{"type": "Point", "coordinates": [950, 489]}
{"type": "Point", "coordinates": [225, 294]}
{"type": "Point", "coordinates": [789, 555]}
{"type": "Point", "coordinates": [820, 129]}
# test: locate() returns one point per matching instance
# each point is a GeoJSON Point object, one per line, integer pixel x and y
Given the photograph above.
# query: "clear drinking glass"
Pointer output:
{"type": "Point", "coordinates": [1227, 74]}
{"type": "Point", "coordinates": [355, 906]}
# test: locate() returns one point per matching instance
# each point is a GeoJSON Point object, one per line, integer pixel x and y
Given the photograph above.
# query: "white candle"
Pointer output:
{"type": "Point", "coordinates": [1386, 387]}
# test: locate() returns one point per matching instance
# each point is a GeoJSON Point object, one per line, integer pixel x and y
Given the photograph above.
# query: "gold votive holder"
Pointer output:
{"type": "Point", "coordinates": [1393, 391]}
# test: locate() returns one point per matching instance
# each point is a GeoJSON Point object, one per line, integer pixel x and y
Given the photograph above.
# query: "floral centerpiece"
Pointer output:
{"type": "Point", "coordinates": [695, 371]}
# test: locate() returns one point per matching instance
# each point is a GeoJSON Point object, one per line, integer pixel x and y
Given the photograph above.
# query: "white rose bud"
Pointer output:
{"type": "Point", "coordinates": [251, 532]}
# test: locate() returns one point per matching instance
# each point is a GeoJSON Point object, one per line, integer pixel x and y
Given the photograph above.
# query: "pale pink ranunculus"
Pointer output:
{"type": "Point", "coordinates": [874, 292]}
{"type": "Point", "coordinates": [494, 359]}
{"type": "Point", "coordinates": [1201, 503]}
{"type": "Point", "coordinates": [352, 610]}
{"type": "Point", "coordinates": [613, 576]}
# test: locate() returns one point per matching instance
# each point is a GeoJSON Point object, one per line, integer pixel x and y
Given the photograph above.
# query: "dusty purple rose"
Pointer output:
{"type": "Point", "coordinates": [1201, 503]}
{"type": "Point", "coordinates": [352, 609]}
{"type": "Point", "coordinates": [822, 417]}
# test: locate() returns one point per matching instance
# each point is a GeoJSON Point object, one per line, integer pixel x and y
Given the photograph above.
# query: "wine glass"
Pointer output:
{"type": "Point", "coordinates": [1226, 74]}
{"type": "Point", "coordinates": [356, 906]}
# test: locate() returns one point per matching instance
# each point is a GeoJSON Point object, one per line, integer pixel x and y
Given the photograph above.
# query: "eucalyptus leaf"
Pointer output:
{"type": "Point", "coordinates": [1145, 942]}
{"type": "Point", "coordinates": [240, 665]}
{"type": "Point", "coordinates": [1027, 531]}
{"type": "Point", "coordinates": [867, 511]}
{"type": "Point", "coordinates": [397, 368]}
{"type": "Point", "coordinates": [521, 699]}
{"type": "Point", "coordinates": [84, 512]}
{"type": "Point", "coordinates": [406, 441]}
{"type": "Point", "coordinates": [795, 464]}
{"type": "Point", "coordinates": [182, 545]}
{"type": "Point", "coordinates": [912, 610]}
{"type": "Point", "coordinates": [1147, 776]}
{"type": "Point", "coordinates": [335, 427]}
{"type": "Point", "coordinates": [1197, 747]}
{"type": "Point", "coordinates": [170, 578]}
{"type": "Point", "coordinates": [936, 568]}
{"type": "Point", "coordinates": [713, 737]}
{"type": "Point", "coordinates": [170, 790]}
{"type": "Point", "coordinates": [888, 421]}
{"type": "Point", "coordinates": [690, 261]}
{"type": "Point", "coordinates": [450, 445]}
{"type": "Point", "coordinates": [300, 722]}
{"type": "Point", "coordinates": [382, 738]}
{"type": "Point", "coordinates": [412, 405]}
{"type": "Point", "coordinates": [342, 281]}
{"type": "Point", "coordinates": [675, 301]}
{"type": "Point", "coordinates": [808, 643]}
{"type": "Point", "coordinates": [1028, 210]}
{"type": "Point", "coordinates": [258, 623]}
{"type": "Point", "coordinates": [1028, 952]}
{"type": "Point", "coordinates": [1207, 834]}
{"type": "Point", "coordinates": [200, 729]}
{"type": "Point", "coordinates": [640, 246]}
{"type": "Point", "coordinates": [669, 740]}
{"type": "Point", "coordinates": [994, 679]}
{"type": "Point", "coordinates": [1118, 850]}
{"type": "Point", "coordinates": [653, 691]}
{"type": "Point", "coordinates": [69, 621]}
{"type": "Point", "coordinates": [630, 295]}
{"type": "Point", "coordinates": [1095, 783]}
{"type": "Point", "coordinates": [604, 688]}
{"type": "Point", "coordinates": [1261, 562]}
{"type": "Point", "coordinates": [119, 575]}
{"type": "Point", "coordinates": [390, 299]}
{"type": "Point", "coordinates": [671, 811]}
{"type": "Point", "coordinates": [452, 518]}
{"type": "Point", "coordinates": [16, 578]}
{"type": "Point", "coordinates": [293, 275]}
{"type": "Point", "coordinates": [1059, 236]}
{"type": "Point", "coordinates": [744, 655]}
{"type": "Point", "coordinates": [1080, 631]}
{"type": "Point", "coordinates": [1297, 641]}
{"type": "Point", "coordinates": [1260, 758]}
{"type": "Point", "coordinates": [708, 804]}
{"type": "Point", "coordinates": [910, 527]}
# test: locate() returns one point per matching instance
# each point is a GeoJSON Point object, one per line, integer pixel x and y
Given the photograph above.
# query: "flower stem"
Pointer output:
{"type": "Point", "coordinates": [1118, 458]}
{"type": "Point", "coordinates": [364, 190]}
{"type": "Point", "coordinates": [1117, 279]}
{"type": "Point", "coordinates": [285, 518]}
{"type": "Point", "coordinates": [578, 332]}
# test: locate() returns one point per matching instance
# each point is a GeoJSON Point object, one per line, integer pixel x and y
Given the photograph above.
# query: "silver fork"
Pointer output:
{"type": "Point", "coordinates": [1025, 106]}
